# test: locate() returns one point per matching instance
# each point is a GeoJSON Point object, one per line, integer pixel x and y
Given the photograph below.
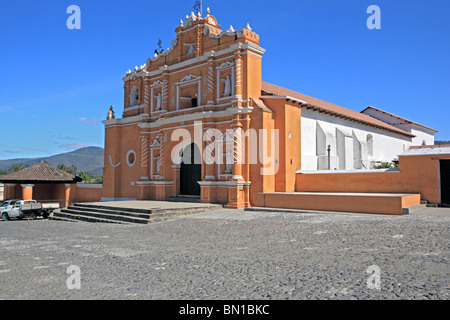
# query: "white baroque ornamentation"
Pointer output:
{"type": "Point", "coordinates": [191, 47]}
{"type": "Point", "coordinates": [113, 165]}
{"type": "Point", "coordinates": [157, 83]}
{"type": "Point", "coordinates": [190, 77]}
{"type": "Point", "coordinates": [226, 64]}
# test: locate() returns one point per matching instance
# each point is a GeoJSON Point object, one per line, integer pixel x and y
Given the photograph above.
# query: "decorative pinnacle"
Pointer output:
{"type": "Point", "coordinates": [208, 12]}
{"type": "Point", "coordinates": [110, 114]}
{"type": "Point", "coordinates": [248, 27]}
{"type": "Point", "coordinates": [231, 29]}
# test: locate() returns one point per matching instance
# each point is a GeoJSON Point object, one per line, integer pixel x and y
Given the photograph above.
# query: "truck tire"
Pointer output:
{"type": "Point", "coordinates": [33, 216]}
{"type": "Point", "coordinates": [6, 217]}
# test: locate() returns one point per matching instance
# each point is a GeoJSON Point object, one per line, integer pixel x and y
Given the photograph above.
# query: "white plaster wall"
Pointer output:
{"type": "Point", "coordinates": [422, 135]}
{"type": "Point", "coordinates": [386, 145]}
{"type": "Point", "coordinates": [396, 122]}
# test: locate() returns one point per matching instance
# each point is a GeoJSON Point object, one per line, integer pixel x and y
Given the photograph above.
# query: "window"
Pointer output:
{"type": "Point", "coordinates": [131, 158]}
{"type": "Point", "coordinates": [134, 97]}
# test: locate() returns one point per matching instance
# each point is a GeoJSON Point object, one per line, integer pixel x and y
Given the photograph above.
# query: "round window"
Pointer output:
{"type": "Point", "coordinates": [131, 158]}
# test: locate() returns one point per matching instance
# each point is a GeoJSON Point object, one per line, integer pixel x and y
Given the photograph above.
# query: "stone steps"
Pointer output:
{"type": "Point", "coordinates": [93, 215]}
{"type": "Point", "coordinates": [182, 198]}
{"type": "Point", "coordinates": [414, 208]}
{"type": "Point", "coordinates": [121, 215]}
{"type": "Point", "coordinates": [74, 216]}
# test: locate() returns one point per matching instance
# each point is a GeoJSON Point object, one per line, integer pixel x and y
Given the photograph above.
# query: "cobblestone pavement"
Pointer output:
{"type": "Point", "coordinates": [229, 254]}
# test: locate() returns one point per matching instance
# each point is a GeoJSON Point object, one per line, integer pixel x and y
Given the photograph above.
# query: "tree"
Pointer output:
{"type": "Point", "coordinates": [72, 169]}
{"type": "Point", "coordinates": [12, 169]}
{"type": "Point", "coordinates": [88, 178]}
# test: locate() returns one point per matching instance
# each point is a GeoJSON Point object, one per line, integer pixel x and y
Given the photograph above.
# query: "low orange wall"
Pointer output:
{"type": "Point", "coordinates": [379, 204]}
{"type": "Point", "coordinates": [418, 174]}
{"type": "Point", "coordinates": [86, 193]}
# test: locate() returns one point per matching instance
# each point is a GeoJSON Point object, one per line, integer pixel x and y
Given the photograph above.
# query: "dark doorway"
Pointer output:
{"type": "Point", "coordinates": [190, 171]}
{"type": "Point", "coordinates": [445, 181]}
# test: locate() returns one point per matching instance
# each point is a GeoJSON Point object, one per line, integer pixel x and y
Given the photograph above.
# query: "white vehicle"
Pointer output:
{"type": "Point", "coordinates": [7, 204]}
{"type": "Point", "coordinates": [28, 209]}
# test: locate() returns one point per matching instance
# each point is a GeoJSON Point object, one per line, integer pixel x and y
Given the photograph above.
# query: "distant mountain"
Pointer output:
{"type": "Point", "coordinates": [89, 159]}
{"type": "Point", "coordinates": [441, 142]}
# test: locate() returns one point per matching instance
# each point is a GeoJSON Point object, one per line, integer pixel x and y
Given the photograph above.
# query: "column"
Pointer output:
{"type": "Point", "coordinates": [27, 191]}
{"type": "Point", "coordinates": [145, 158]}
{"type": "Point", "coordinates": [238, 156]}
{"type": "Point", "coordinates": [208, 161]}
{"type": "Point", "coordinates": [238, 77]}
{"type": "Point", "coordinates": [210, 82]}
{"type": "Point", "coordinates": [67, 194]}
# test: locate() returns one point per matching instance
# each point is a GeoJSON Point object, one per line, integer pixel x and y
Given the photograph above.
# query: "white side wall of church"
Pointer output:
{"type": "Point", "coordinates": [422, 135]}
{"type": "Point", "coordinates": [353, 145]}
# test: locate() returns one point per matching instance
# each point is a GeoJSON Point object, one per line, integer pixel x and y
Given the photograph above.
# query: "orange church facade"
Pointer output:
{"type": "Point", "coordinates": [208, 81]}
{"type": "Point", "coordinates": [199, 121]}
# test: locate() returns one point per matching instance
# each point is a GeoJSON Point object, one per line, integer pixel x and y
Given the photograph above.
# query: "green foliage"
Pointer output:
{"type": "Point", "coordinates": [385, 165]}
{"type": "Point", "coordinates": [72, 169]}
{"type": "Point", "coordinates": [87, 178]}
{"type": "Point", "coordinates": [12, 169]}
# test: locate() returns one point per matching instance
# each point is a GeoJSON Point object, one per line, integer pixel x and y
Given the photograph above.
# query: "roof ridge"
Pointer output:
{"type": "Point", "coordinates": [397, 116]}
{"type": "Point", "coordinates": [332, 108]}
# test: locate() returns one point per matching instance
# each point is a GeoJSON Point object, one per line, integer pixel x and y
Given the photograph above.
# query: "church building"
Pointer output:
{"type": "Point", "coordinates": [199, 121]}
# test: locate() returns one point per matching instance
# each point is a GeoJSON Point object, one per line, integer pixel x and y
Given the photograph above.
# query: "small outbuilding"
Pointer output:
{"type": "Point", "coordinates": [41, 182]}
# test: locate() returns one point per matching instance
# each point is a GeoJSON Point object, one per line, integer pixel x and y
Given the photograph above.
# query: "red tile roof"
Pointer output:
{"type": "Point", "coordinates": [327, 107]}
{"type": "Point", "coordinates": [41, 172]}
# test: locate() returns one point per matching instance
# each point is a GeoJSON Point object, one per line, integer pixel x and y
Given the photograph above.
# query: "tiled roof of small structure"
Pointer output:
{"type": "Point", "coordinates": [330, 108]}
{"type": "Point", "coordinates": [41, 172]}
{"type": "Point", "coordinates": [443, 149]}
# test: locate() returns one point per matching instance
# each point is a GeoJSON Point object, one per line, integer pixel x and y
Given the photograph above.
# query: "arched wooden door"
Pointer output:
{"type": "Point", "coordinates": [190, 171]}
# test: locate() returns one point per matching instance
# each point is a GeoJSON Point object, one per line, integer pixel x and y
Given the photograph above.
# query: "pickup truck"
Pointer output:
{"type": "Point", "coordinates": [7, 204]}
{"type": "Point", "coordinates": [28, 209]}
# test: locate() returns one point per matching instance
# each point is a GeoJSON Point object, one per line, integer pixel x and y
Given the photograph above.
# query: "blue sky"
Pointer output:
{"type": "Point", "coordinates": [57, 84]}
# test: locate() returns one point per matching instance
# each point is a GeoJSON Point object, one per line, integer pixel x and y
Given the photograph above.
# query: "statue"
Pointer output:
{"type": "Point", "coordinates": [158, 164]}
{"type": "Point", "coordinates": [158, 101]}
{"type": "Point", "coordinates": [227, 90]}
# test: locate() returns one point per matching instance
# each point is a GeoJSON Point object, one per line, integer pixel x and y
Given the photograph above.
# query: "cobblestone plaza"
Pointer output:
{"type": "Point", "coordinates": [230, 254]}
